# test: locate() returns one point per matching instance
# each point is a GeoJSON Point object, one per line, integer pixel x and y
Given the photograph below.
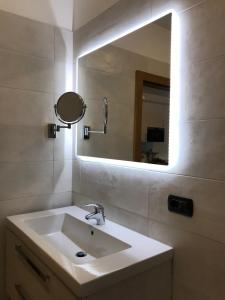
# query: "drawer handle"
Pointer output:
{"type": "Point", "coordinates": [20, 292]}
{"type": "Point", "coordinates": [27, 260]}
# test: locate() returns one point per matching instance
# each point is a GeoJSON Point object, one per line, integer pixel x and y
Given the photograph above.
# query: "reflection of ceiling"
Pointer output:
{"type": "Point", "coordinates": [55, 12]}
{"type": "Point", "coordinates": [86, 10]}
{"type": "Point", "coordinates": [62, 13]}
{"type": "Point", "coordinates": [164, 22]}
{"type": "Point", "coordinates": [153, 40]}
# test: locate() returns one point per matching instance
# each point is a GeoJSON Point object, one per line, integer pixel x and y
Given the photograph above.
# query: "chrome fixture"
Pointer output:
{"type": "Point", "coordinates": [87, 129]}
{"type": "Point", "coordinates": [97, 214]}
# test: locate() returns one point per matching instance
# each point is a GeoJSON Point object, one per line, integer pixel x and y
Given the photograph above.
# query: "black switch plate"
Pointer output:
{"type": "Point", "coordinates": [180, 205]}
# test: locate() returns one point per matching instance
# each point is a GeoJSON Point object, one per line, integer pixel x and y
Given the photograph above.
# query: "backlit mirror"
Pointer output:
{"type": "Point", "coordinates": [133, 73]}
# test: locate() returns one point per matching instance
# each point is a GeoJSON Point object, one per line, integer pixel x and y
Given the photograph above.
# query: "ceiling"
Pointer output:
{"type": "Point", "coordinates": [86, 10]}
{"type": "Point", "coordinates": [69, 14]}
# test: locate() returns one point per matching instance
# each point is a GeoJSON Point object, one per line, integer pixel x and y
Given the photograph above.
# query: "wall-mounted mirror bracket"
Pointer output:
{"type": "Point", "coordinates": [87, 129]}
{"type": "Point", "coordinates": [69, 110]}
{"type": "Point", "coordinates": [53, 128]}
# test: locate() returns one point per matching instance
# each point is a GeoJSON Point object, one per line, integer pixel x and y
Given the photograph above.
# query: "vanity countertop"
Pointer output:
{"type": "Point", "coordinates": [142, 254]}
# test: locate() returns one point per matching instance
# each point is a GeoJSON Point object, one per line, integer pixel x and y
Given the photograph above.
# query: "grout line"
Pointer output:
{"type": "Point", "coordinates": [192, 61]}
{"type": "Point", "coordinates": [196, 177]}
{"type": "Point", "coordinates": [23, 53]}
{"type": "Point", "coordinates": [155, 171]}
{"type": "Point", "coordinates": [33, 161]}
{"type": "Point", "coordinates": [192, 6]}
{"type": "Point", "coordinates": [33, 196]}
{"type": "Point", "coordinates": [27, 90]}
{"type": "Point", "coordinates": [204, 120]}
{"type": "Point", "coordinates": [53, 103]}
{"type": "Point", "coordinates": [25, 161]}
{"type": "Point", "coordinates": [188, 231]}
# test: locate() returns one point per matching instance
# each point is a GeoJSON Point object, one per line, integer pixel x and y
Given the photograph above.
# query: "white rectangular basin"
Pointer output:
{"type": "Point", "coordinates": [114, 252]}
{"type": "Point", "coordinates": [71, 236]}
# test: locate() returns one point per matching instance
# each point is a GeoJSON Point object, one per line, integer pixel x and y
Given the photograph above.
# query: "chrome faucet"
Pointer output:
{"type": "Point", "coordinates": [97, 214]}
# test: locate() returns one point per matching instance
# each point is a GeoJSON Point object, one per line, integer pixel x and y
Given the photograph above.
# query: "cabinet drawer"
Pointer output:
{"type": "Point", "coordinates": [27, 278]}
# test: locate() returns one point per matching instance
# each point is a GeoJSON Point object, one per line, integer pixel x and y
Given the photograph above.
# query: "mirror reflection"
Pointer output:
{"type": "Point", "coordinates": [70, 108]}
{"type": "Point", "coordinates": [133, 73]}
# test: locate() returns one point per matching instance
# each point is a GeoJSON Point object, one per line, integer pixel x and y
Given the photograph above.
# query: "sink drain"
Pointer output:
{"type": "Point", "coordinates": [81, 254]}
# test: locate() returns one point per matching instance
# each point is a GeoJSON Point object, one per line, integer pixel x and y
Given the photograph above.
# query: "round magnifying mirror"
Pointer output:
{"type": "Point", "coordinates": [70, 108]}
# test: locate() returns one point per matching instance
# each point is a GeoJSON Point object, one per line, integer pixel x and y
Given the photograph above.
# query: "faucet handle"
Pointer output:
{"type": "Point", "coordinates": [97, 207]}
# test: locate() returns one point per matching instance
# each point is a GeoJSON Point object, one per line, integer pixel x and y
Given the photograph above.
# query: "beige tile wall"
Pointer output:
{"type": "Point", "coordinates": [138, 198]}
{"type": "Point", "coordinates": [36, 62]}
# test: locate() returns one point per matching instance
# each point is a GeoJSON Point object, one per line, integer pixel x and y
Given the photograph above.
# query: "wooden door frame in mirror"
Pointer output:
{"type": "Point", "coordinates": [140, 78]}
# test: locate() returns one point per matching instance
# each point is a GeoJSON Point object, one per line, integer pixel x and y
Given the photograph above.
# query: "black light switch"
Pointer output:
{"type": "Point", "coordinates": [180, 205]}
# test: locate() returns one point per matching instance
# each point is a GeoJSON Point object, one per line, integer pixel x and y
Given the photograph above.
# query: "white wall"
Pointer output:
{"type": "Point", "coordinates": [54, 12]}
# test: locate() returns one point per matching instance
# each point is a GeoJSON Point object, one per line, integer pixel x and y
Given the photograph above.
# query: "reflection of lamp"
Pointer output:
{"type": "Point", "coordinates": [154, 135]}
{"type": "Point", "coordinates": [147, 149]}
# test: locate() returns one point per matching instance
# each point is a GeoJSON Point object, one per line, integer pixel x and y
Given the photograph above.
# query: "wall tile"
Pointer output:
{"type": "Point", "coordinates": [202, 149]}
{"type": "Point", "coordinates": [23, 143]}
{"type": "Point", "coordinates": [198, 263]}
{"type": "Point", "coordinates": [76, 177]}
{"type": "Point", "coordinates": [63, 45]}
{"type": "Point", "coordinates": [160, 6]}
{"type": "Point", "coordinates": [63, 144]}
{"type": "Point", "coordinates": [115, 186]}
{"type": "Point", "coordinates": [63, 176]}
{"type": "Point", "coordinates": [36, 203]}
{"type": "Point", "coordinates": [208, 197]}
{"type": "Point", "coordinates": [63, 69]}
{"type": "Point", "coordinates": [25, 108]}
{"type": "Point", "coordinates": [25, 35]}
{"type": "Point", "coordinates": [25, 72]}
{"type": "Point", "coordinates": [63, 77]}
{"type": "Point", "coordinates": [204, 91]}
{"type": "Point", "coordinates": [25, 179]}
{"type": "Point", "coordinates": [200, 23]}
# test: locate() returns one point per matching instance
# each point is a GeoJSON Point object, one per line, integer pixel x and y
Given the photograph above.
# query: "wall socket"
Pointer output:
{"type": "Point", "coordinates": [180, 205]}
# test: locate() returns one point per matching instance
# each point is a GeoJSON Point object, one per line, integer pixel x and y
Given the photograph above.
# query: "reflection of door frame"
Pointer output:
{"type": "Point", "coordinates": [140, 78]}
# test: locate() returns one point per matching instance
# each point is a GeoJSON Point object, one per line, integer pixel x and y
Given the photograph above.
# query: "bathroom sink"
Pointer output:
{"type": "Point", "coordinates": [87, 257]}
{"type": "Point", "coordinates": [78, 241]}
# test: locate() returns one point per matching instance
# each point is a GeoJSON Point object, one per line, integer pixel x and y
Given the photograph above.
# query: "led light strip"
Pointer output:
{"type": "Point", "coordinates": [174, 117]}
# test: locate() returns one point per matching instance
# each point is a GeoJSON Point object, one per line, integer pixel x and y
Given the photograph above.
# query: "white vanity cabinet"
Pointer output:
{"type": "Point", "coordinates": [27, 278]}
{"type": "Point", "coordinates": [42, 261]}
